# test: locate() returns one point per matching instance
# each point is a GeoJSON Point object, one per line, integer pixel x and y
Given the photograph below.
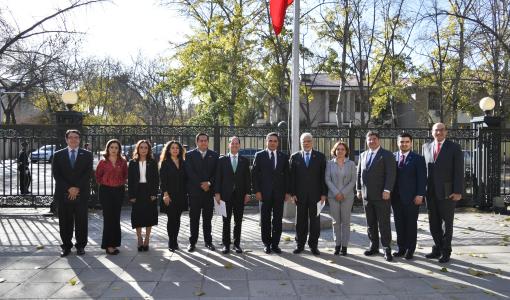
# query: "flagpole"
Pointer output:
{"type": "Point", "coordinates": [295, 80]}
{"type": "Point", "coordinates": [289, 212]}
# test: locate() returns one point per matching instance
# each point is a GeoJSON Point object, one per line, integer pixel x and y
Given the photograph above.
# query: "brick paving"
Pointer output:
{"type": "Point", "coordinates": [30, 266]}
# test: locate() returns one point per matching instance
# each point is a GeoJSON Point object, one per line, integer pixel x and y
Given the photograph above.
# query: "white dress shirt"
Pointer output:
{"type": "Point", "coordinates": [275, 157]}
{"type": "Point", "coordinates": [143, 171]}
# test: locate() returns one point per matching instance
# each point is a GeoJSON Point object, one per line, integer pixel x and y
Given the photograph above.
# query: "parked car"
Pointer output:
{"type": "Point", "coordinates": [156, 151]}
{"type": "Point", "coordinates": [127, 151]}
{"type": "Point", "coordinates": [44, 154]}
{"type": "Point", "coordinates": [249, 153]}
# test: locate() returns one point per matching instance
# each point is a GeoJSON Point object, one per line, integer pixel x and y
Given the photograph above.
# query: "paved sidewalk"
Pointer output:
{"type": "Point", "coordinates": [30, 266]}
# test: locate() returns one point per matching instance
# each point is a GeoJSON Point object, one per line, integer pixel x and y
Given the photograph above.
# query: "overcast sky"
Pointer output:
{"type": "Point", "coordinates": [121, 29]}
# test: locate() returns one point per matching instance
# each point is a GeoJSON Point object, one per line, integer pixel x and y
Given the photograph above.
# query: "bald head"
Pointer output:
{"type": "Point", "coordinates": [439, 132]}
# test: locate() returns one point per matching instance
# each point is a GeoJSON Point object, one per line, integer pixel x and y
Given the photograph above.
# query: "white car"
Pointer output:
{"type": "Point", "coordinates": [44, 154]}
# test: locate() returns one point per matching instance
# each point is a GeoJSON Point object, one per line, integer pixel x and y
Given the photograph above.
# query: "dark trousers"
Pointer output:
{"type": "Point", "coordinates": [73, 216]}
{"type": "Point", "coordinates": [173, 225]}
{"type": "Point", "coordinates": [378, 213]}
{"type": "Point", "coordinates": [111, 202]}
{"type": "Point", "coordinates": [271, 234]}
{"type": "Point", "coordinates": [25, 178]}
{"type": "Point", "coordinates": [441, 211]}
{"type": "Point", "coordinates": [307, 213]}
{"type": "Point", "coordinates": [406, 218]}
{"type": "Point", "coordinates": [201, 204]}
{"type": "Point", "coordinates": [236, 206]}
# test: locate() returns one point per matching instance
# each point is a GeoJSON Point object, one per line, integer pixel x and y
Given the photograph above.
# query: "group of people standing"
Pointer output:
{"type": "Point", "coordinates": [199, 178]}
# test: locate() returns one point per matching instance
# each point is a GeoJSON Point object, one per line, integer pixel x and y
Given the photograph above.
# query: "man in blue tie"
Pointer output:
{"type": "Point", "coordinates": [376, 178]}
{"type": "Point", "coordinates": [72, 167]}
{"type": "Point", "coordinates": [308, 187]}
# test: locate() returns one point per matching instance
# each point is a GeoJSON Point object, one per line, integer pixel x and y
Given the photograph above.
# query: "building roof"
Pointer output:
{"type": "Point", "coordinates": [324, 81]}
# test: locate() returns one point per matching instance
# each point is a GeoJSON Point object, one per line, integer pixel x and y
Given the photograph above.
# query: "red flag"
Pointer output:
{"type": "Point", "coordinates": [277, 10]}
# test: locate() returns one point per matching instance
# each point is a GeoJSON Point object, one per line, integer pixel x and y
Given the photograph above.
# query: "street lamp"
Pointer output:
{"type": "Point", "coordinates": [486, 105]}
{"type": "Point", "coordinates": [70, 98]}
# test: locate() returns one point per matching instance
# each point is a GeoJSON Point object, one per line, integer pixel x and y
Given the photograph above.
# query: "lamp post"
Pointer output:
{"type": "Point", "coordinates": [485, 161]}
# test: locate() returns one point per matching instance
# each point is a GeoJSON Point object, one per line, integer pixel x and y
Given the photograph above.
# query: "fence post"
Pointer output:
{"type": "Point", "coordinates": [352, 141]}
{"type": "Point", "coordinates": [217, 138]}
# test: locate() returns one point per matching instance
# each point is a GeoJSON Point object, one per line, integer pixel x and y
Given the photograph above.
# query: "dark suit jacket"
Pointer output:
{"type": "Point", "coordinates": [67, 177]}
{"type": "Point", "coordinates": [411, 178]}
{"type": "Point", "coordinates": [226, 180]}
{"type": "Point", "coordinates": [200, 170]}
{"type": "Point", "coordinates": [151, 174]}
{"type": "Point", "coordinates": [308, 182]}
{"type": "Point", "coordinates": [173, 181]}
{"type": "Point", "coordinates": [446, 174]}
{"type": "Point", "coordinates": [379, 177]}
{"type": "Point", "coordinates": [266, 179]}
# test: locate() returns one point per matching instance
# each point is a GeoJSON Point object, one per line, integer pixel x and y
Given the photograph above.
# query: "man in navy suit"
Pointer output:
{"type": "Point", "coordinates": [308, 187]}
{"type": "Point", "coordinates": [270, 180]}
{"type": "Point", "coordinates": [376, 179]}
{"type": "Point", "coordinates": [200, 166]}
{"type": "Point", "coordinates": [71, 168]}
{"type": "Point", "coordinates": [233, 185]}
{"type": "Point", "coordinates": [407, 195]}
{"type": "Point", "coordinates": [445, 185]}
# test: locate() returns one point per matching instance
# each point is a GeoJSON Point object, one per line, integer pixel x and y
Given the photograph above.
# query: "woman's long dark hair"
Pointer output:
{"type": "Point", "coordinates": [165, 154]}
{"type": "Point", "coordinates": [136, 156]}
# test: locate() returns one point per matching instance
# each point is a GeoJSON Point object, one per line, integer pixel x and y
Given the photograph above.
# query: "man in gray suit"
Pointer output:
{"type": "Point", "coordinates": [445, 184]}
{"type": "Point", "coordinates": [376, 178]}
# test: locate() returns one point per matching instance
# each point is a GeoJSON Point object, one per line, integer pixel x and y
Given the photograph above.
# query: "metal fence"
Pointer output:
{"type": "Point", "coordinates": [44, 140]}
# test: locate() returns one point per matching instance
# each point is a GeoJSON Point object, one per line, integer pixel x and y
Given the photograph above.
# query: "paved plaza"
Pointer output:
{"type": "Point", "coordinates": [31, 268]}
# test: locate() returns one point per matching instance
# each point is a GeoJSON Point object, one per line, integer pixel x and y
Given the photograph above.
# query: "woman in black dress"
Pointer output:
{"type": "Point", "coordinates": [143, 185]}
{"type": "Point", "coordinates": [172, 175]}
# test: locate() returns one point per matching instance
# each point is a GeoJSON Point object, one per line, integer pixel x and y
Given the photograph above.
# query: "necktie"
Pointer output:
{"type": "Point", "coordinates": [307, 159]}
{"type": "Point", "coordinates": [401, 161]}
{"type": "Point", "coordinates": [273, 160]}
{"type": "Point", "coordinates": [73, 158]}
{"type": "Point", "coordinates": [234, 163]}
{"type": "Point", "coordinates": [436, 153]}
{"type": "Point", "coordinates": [369, 161]}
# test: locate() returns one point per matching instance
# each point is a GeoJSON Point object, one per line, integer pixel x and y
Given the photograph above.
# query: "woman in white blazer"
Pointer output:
{"type": "Point", "coordinates": [341, 179]}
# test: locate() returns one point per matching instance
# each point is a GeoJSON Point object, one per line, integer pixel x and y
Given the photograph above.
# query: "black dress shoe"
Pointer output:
{"type": "Point", "coordinates": [210, 247]}
{"type": "Point", "coordinates": [65, 252]}
{"type": "Point", "coordinates": [343, 251]}
{"type": "Point", "coordinates": [80, 251]}
{"type": "Point", "coordinates": [433, 254]}
{"type": "Point", "coordinates": [409, 255]}
{"type": "Point", "coordinates": [238, 249]}
{"type": "Point", "coordinates": [444, 258]}
{"type": "Point", "coordinates": [315, 251]}
{"type": "Point", "coordinates": [112, 252]}
{"type": "Point", "coordinates": [191, 248]}
{"type": "Point", "coordinates": [225, 250]}
{"type": "Point", "coordinates": [399, 253]}
{"type": "Point", "coordinates": [116, 251]}
{"type": "Point", "coordinates": [337, 250]}
{"type": "Point", "coordinates": [267, 249]}
{"type": "Point", "coordinates": [371, 252]}
{"type": "Point", "coordinates": [276, 250]}
{"type": "Point", "coordinates": [298, 250]}
{"type": "Point", "coordinates": [140, 248]}
{"type": "Point", "coordinates": [387, 255]}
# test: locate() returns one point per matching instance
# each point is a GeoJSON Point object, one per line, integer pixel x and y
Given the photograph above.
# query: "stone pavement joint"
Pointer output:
{"type": "Point", "coordinates": [30, 266]}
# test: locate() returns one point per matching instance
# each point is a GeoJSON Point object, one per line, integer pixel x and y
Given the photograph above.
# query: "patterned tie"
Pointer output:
{"type": "Point", "coordinates": [401, 161]}
{"type": "Point", "coordinates": [369, 161]}
{"type": "Point", "coordinates": [307, 159]}
{"type": "Point", "coordinates": [273, 160]}
{"type": "Point", "coordinates": [73, 158]}
{"type": "Point", "coordinates": [234, 163]}
{"type": "Point", "coordinates": [436, 153]}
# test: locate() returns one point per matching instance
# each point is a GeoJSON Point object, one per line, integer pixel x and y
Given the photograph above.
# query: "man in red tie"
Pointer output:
{"type": "Point", "coordinates": [445, 185]}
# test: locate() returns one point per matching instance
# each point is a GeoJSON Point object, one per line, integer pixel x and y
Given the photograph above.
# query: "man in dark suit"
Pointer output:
{"type": "Point", "coordinates": [25, 178]}
{"type": "Point", "coordinates": [233, 185]}
{"type": "Point", "coordinates": [407, 195]}
{"type": "Point", "coordinates": [200, 168]}
{"type": "Point", "coordinates": [71, 169]}
{"type": "Point", "coordinates": [376, 178]}
{"type": "Point", "coordinates": [445, 185]}
{"type": "Point", "coordinates": [308, 187]}
{"type": "Point", "coordinates": [270, 180]}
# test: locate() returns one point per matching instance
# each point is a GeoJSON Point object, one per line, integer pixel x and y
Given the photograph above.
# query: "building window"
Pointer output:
{"type": "Point", "coordinates": [434, 101]}
{"type": "Point", "coordinates": [358, 104]}
{"type": "Point", "coordinates": [332, 102]}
